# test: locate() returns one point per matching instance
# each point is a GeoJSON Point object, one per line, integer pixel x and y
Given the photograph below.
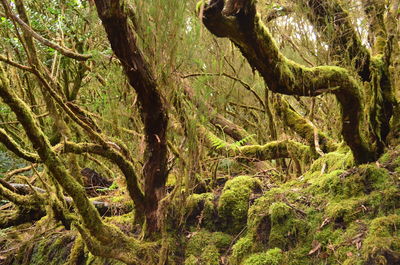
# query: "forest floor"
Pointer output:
{"type": "Point", "coordinates": [333, 214]}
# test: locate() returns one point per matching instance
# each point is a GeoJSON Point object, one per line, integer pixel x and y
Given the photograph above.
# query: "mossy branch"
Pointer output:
{"type": "Point", "coordinates": [114, 156]}
{"type": "Point", "coordinates": [101, 233]}
{"type": "Point", "coordinates": [14, 147]}
{"type": "Point", "coordinates": [335, 27]}
{"type": "Point", "coordinates": [303, 127]}
{"type": "Point", "coordinates": [246, 30]}
{"type": "Point", "coordinates": [270, 151]}
{"type": "Point", "coordinates": [18, 199]}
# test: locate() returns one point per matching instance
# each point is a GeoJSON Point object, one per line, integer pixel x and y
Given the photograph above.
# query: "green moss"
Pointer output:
{"type": "Point", "coordinates": [383, 239]}
{"type": "Point", "coordinates": [279, 212]}
{"type": "Point", "coordinates": [203, 240]}
{"type": "Point", "coordinates": [330, 162]}
{"type": "Point", "coordinates": [191, 260]}
{"type": "Point", "coordinates": [341, 184]}
{"type": "Point", "coordinates": [346, 210]}
{"type": "Point", "coordinates": [271, 257]}
{"type": "Point", "coordinates": [201, 210]}
{"type": "Point", "coordinates": [286, 228]}
{"type": "Point", "coordinates": [210, 255]}
{"type": "Point", "coordinates": [234, 202]}
{"type": "Point", "coordinates": [54, 249]}
{"type": "Point", "coordinates": [242, 248]}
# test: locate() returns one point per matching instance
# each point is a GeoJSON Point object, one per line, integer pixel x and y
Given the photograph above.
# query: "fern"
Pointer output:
{"type": "Point", "coordinates": [218, 143]}
{"type": "Point", "coordinates": [244, 140]}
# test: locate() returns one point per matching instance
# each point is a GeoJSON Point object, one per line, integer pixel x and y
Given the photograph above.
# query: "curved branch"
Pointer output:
{"type": "Point", "coordinates": [276, 150]}
{"type": "Point", "coordinates": [303, 127]}
{"type": "Point", "coordinates": [246, 30]}
{"type": "Point", "coordinates": [64, 51]}
{"type": "Point", "coordinates": [124, 165]}
{"type": "Point", "coordinates": [14, 147]}
{"type": "Point", "coordinates": [104, 234]}
{"type": "Point", "coordinates": [334, 25]}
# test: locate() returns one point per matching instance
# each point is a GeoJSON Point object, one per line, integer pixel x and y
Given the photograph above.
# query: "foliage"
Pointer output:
{"type": "Point", "coordinates": [275, 115]}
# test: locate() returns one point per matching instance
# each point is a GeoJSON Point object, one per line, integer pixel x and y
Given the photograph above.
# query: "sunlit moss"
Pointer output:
{"type": "Point", "coordinates": [271, 257]}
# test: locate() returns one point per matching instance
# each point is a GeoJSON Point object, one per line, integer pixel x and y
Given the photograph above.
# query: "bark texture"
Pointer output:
{"type": "Point", "coordinates": [153, 112]}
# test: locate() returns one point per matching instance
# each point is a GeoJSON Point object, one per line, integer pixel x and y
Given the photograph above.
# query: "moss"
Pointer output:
{"type": "Point", "coordinates": [242, 248]}
{"type": "Point", "coordinates": [210, 256]}
{"type": "Point", "coordinates": [330, 162]}
{"type": "Point", "coordinates": [234, 202]}
{"type": "Point", "coordinates": [285, 227]}
{"type": "Point", "coordinates": [345, 210]}
{"type": "Point", "coordinates": [383, 240]}
{"type": "Point", "coordinates": [54, 249]}
{"type": "Point", "coordinates": [191, 260]}
{"type": "Point", "coordinates": [359, 181]}
{"type": "Point", "coordinates": [271, 257]}
{"type": "Point", "coordinates": [201, 210]}
{"type": "Point", "coordinates": [201, 240]}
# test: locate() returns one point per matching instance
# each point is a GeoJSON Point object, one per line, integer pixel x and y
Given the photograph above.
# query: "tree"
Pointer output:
{"type": "Point", "coordinates": [239, 21]}
{"type": "Point", "coordinates": [178, 110]}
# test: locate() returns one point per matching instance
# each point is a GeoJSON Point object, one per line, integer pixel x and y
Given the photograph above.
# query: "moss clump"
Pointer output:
{"type": "Point", "coordinates": [201, 210]}
{"type": "Point", "coordinates": [242, 248]}
{"type": "Point", "coordinates": [234, 202]}
{"type": "Point", "coordinates": [285, 227]}
{"type": "Point", "coordinates": [206, 247]}
{"type": "Point", "coordinates": [358, 181]}
{"type": "Point", "coordinates": [382, 243]}
{"type": "Point", "coordinates": [210, 256]}
{"type": "Point", "coordinates": [271, 257]}
{"type": "Point", "coordinates": [191, 260]}
{"type": "Point", "coordinates": [55, 249]}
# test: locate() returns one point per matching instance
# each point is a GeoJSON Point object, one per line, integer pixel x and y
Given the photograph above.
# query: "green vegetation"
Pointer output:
{"type": "Point", "coordinates": [191, 132]}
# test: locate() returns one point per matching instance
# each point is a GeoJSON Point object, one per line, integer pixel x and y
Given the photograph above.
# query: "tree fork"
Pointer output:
{"type": "Point", "coordinates": [248, 33]}
{"type": "Point", "coordinates": [121, 35]}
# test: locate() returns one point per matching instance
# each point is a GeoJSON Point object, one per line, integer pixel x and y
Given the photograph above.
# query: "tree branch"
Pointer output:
{"type": "Point", "coordinates": [124, 165]}
{"type": "Point", "coordinates": [104, 235]}
{"type": "Point", "coordinates": [14, 147]}
{"type": "Point", "coordinates": [246, 31]}
{"type": "Point", "coordinates": [335, 27]}
{"type": "Point", "coordinates": [64, 51]}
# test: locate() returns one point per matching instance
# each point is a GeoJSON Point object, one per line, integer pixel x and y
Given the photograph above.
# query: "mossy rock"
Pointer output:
{"type": "Point", "coordinates": [286, 228]}
{"type": "Point", "coordinates": [201, 211]}
{"type": "Point", "coordinates": [205, 247]}
{"type": "Point", "coordinates": [234, 202]}
{"type": "Point", "coordinates": [271, 257]}
{"type": "Point", "coordinates": [242, 248]}
{"type": "Point", "coordinates": [382, 243]}
{"type": "Point", "coordinates": [339, 160]}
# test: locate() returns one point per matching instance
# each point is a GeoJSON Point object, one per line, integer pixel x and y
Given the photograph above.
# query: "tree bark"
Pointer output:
{"type": "Point", "coordinates": [153, 112]}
